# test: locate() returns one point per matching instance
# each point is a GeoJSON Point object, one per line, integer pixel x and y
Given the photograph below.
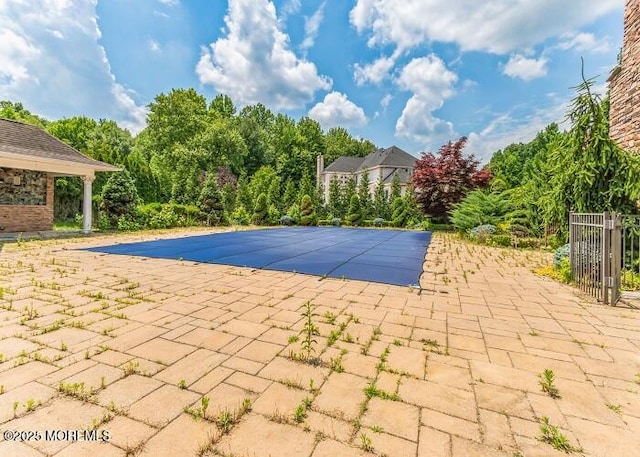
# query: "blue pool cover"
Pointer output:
{"type": "Point", "coordinates": [385, 256]}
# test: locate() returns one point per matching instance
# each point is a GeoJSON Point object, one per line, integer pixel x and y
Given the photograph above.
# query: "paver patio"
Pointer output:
{"type": "Point", "coordinates": [132, 345]}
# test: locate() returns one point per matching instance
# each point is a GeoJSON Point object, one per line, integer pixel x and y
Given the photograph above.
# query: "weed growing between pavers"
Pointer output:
{"type": "Point", "coordinates": [615, 408]}
{"type": "Point", "coordinates": [76, 390]}
{"type": "Point", "coordinates": [547, 379]}
{"type": "Point", "coordinates": [309, 330]}
{"type": "Point", "coordinates": [551, 435]}
{"type": "Point", "coordinates": [365, 443]}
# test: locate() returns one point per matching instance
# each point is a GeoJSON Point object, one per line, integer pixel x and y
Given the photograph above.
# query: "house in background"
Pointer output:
{"type": "Point", "coordinates": [29, 160]}
{"type": "Point", "coordinates": [382, 164]}
{"type": "Point", "coordinates": [624, 84]}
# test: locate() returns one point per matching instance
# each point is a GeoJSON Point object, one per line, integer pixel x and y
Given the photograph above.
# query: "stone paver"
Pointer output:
{"type": "Point", "coordinates": [453, 371]}
{"type": "Point", "coordinates": [258, 436]}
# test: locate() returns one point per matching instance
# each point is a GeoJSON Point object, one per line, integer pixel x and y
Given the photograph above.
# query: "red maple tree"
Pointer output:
{"type": "Point", "coordinates": [442, 181]}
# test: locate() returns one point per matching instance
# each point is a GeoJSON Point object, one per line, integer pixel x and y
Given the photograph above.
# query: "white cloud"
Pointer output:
{"type": "Point", "coordinates": [386, 100]}
{"type": "Point", "coordinates": [15, 51]}
{"type": "Point", "coordinates": [337, 110]}
{"type": "Point", "coordinates": [374, 72]}
{"type": "Point", "coordinates": [311, 27]}
{"type": "Point", "coordinates": [431, 83]}
{"type": "Point", "coordinates": [154, 45]}
{"type": "Point", "coordinates": [169, 2]}
{"type": "Point", "coordinates": [499, 26]}
{"type": "Point", "coordinates": [254, 62]}
{"type": "Point", "coordinates": [289, 8]}
{"type": "Point", "coordinates": [585, 42]}
{"type": "Point", "coordinates": [515, 127]}
{"type": "Point", "coordinates": [525, 68]}
{"type": "Point", "coordinates": [66, 76]}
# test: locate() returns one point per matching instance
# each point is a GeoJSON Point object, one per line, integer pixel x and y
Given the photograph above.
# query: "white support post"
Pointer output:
{"type": "Point", "coordinates": [86, 204]}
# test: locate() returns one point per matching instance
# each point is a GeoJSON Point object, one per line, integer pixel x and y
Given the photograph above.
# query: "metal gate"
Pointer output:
{"type": "Point", "coordinates": [630, 259]}
{"type": "Point", "coordinates": [595, 254]}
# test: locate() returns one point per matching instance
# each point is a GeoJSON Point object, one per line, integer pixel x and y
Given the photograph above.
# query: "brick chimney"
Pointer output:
{"type": "Point", "coordinates": [624, 84]}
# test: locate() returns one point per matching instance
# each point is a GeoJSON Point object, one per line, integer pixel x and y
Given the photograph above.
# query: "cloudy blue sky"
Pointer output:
{"type": "Point", "coordinates": [414, 73]}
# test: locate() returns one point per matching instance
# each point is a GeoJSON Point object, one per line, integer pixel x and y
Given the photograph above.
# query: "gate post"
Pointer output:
{"type": "Point", "coordinates": [606, 258]}
{"type": "Point", "coordinates": [571, 248]}
{"type": "Point", "coordinates": [616, 258]}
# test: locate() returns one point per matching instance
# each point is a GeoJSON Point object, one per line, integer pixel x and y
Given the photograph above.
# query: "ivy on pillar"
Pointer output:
{"type": "Point", "coordinates": [86, 203]}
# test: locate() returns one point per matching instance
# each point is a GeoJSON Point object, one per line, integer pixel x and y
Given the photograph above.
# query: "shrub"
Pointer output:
{"type": "Point", "coordinates": [400, 215]}
{"type": "Point", "coordinates": [260, 211]}
{"type": "Point", "coordinates": [240, 215]}
{"type": "Point", "coordinates": [165, 218]}
{"type": "Point", "coordinates": [286, 220]}
{"type": "Point", "coordinates": [307, 213]}
{"type": "Point", "coordinates": [127, 224]}
{"type": "Point", "coordinates": [561, 253]}
{"type": "Point", "coordinates": [354, 216]}
{"type": "Point", "coordinates": [273, 215]}
{"type": "Point", "coordinates": [482, 231]}
{"type": "Point", "coordinates": [499, 240]}
{"type": "Point", "coordinates": [336, 222]}
{"type": "Point", "coordinates": [294, 212]}
{"type": "Point", "coordinates": [169, 215]}
{"type": "Point", "coordinates": [103, 221]}
{"type": "Point", "coordinates": [378, 221]}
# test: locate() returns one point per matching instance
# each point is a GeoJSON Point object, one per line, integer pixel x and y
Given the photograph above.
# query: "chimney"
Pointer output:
{"type": "Point", "coordinates": [319, 169]}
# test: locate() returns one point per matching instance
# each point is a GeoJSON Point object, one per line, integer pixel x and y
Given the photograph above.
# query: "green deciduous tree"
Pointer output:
{"type": "Point", "coordinates": [265, 181]}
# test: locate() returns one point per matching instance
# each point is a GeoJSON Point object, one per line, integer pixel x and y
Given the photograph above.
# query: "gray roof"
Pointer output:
{"type": "Point", "coordinates": [345, 164]}
{"type": "Point", "coordinates": [31, 141]}
{"type": "Point", "coordinates": [391, 157]}
{"type": "Point", "coordinates": [404, 176]}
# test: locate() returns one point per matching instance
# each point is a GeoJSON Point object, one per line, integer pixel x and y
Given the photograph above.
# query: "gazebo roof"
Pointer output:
{"type": "Point", "coordinates": [27, 146]}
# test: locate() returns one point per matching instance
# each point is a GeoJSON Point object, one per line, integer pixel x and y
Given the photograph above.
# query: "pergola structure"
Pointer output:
{"type": "Point", "coordinates": [30, 158]}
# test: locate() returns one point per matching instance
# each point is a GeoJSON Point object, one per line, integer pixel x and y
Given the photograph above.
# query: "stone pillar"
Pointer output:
{"type": "Point", "coordinates": [624, 84]}
{"type": "Point", "coordinates": [86, 204]}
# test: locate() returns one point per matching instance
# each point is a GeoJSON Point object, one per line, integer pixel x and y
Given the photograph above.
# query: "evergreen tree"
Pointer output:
{"type": "Point", "coordinates": [380, 201]}
{"type": "Point", "coordinates": [119, 197]}
{"type": "Point", "coordinates": [349, 191]}
{"type": "Point", "coordinates": [290, 196]}
{"type": "Point", "coordinates": [261, 210]}
{"type": "Point", "coordinates": [365, 196]}
{"type": "Point", "coordinates": [243, 193]}
{"type": "Point", "coordinates": [400, 215]}
{"type": "Point", "coordinates": [307, 212]}
{"type": "Point", "coordinates": [411, 206]}
{"type": "Point", "coordinates": [354, 217]}
{"type": "Point", "coordinates": [396, 188]}
{"type": "Point", "coordinates": [228, 198]}
{"type": "Point", "coordinates": [306, 188]}
{"type": "Point", "coordinates": [335, 204]}
{"type": "Point", "coordinates": [210, 200]}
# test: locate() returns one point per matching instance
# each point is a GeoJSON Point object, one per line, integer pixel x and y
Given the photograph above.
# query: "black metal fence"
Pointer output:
{"type": "Point", "coordinates": [596, 254]}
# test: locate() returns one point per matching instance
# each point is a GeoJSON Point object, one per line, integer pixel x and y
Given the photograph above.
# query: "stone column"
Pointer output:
{"type": "Point", "coordinates": [86, 204]}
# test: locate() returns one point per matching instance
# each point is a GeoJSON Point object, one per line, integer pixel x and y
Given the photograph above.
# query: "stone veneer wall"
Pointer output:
{"type": "Point", "coordinates": [26, 207]}
{"type": "Point", "coordinates": [624, 84]}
